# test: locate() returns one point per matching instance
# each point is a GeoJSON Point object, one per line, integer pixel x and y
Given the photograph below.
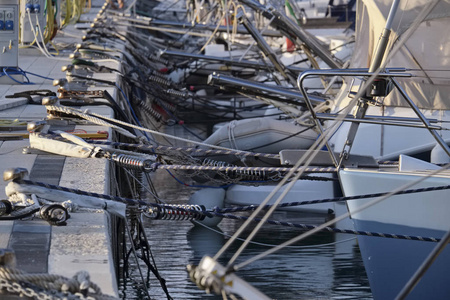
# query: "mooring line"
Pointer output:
{"type": "Point", "coordinates": [219, 212]}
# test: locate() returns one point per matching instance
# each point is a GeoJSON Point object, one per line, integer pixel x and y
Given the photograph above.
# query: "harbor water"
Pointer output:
{"type": "Point", "coordinates": [325, 266]}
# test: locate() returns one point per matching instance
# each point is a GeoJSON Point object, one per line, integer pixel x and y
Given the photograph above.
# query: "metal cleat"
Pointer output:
{"type": "Point", "coordinates": [52, 100]}
{"type": "Point", "coordinates": [67, 68]}
{"type": "Point", "coordinates": [15, 174]}
{"type": "Point", "coordinates": [36, 126]}
{"type": "Point", "coordinates": [59, 82]}
{"type": "Point", "coordinates": [75, 55]}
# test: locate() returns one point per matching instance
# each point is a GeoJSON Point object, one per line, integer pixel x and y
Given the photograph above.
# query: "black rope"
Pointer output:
{"type": "Point", "coordinates": [336, 230]}
{"type": "Point", "coordinates": [218, 213]}
{"type": "Point", "coordinates": [337, 199]}
{"type": "Point", "coordinates": [21, 216]}
{"type": "Point", "coordinates": [231, 209]}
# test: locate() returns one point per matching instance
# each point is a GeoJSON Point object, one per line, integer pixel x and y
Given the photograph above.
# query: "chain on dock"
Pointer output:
{"type": "Point", "coordinates": [50, 286]}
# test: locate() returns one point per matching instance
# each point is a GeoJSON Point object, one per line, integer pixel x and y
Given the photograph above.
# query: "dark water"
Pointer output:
{"type": "Point", "coordinates": [321, 267]}
{"type": "Point", "coordinates": [306, 271]}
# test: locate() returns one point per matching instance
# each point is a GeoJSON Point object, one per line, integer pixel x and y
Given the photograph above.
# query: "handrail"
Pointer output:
{"type": "Point", "coordinates": [406, 122]}
{"type": "Point", "coordinates": [340, 72]}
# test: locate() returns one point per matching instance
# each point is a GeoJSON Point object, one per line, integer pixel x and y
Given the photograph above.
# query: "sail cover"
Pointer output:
{"type": "Point", "coordinates": [426, 53]}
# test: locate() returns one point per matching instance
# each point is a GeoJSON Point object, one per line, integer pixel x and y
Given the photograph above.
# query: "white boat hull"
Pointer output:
{"type": "Point", "coordinates": [389, 262]}
{"type": "Point", "coordinates": [303, 190]}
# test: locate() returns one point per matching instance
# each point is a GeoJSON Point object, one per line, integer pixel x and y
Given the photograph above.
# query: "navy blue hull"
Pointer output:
{"type": "Point", "coordinates": [390, 263]}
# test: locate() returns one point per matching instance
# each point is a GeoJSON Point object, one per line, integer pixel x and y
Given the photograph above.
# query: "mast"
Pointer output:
{"type": "Point", "coordinates": [363, 102]}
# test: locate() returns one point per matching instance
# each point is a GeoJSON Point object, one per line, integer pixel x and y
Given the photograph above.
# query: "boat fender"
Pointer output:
{"type": "Point", "coordinates": [209, 198]}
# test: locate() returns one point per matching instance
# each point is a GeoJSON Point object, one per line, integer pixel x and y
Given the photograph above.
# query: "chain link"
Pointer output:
{"type": "Point", "coordinates": [16, 288]}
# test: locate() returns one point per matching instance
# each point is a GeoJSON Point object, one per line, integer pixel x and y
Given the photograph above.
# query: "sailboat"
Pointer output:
{"type": "Point", "coordinates": [399, 84]}
{"type": "Point", "coordinates": [415, 267]}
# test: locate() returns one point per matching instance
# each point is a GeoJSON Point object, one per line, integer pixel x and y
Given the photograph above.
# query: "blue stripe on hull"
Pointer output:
{"type": "Point", "coordinates": [390, 263]}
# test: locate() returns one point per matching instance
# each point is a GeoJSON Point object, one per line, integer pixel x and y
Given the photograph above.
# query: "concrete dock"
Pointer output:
{"type": "Point", "coordinates": [85, 242]}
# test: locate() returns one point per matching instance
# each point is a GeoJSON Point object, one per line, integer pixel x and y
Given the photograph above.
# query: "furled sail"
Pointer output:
{"type": "Point", "coordinates": [426, 53]}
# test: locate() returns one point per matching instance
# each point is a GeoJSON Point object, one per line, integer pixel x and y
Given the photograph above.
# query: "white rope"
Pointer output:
{"type": "Point", "coordinates": [99, 120]}
{"type": "Point", "coordinates": [163, 134]}
{"type": "Point", "coordinates": [114, 207]}
{"type": "Point", "coordinates": [89, 117]}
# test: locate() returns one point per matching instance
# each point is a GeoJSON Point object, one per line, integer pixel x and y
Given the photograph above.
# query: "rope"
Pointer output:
{"type": "Point", "coordinates": [219, 212]}
{"type": "Point", "coordinates": [338, 199]}
{"type": "Point", "coordinates": [99, 119]}
{"type": "Point", "coordinates": [237, 208]}
{"type": "Point", "coordinates": [160, 133]}
{"type": "Point", "coordinates": [232, 209]}
{"type": "Point", "coordinates": [127, 201]}
{"type": "Point", "coordinates": [89, 118]}
{"type": "Point", "coordinates": [193, 150]}
{"type": "Point", "coordinates": [331, 229]}
{"type": "Point", "coordinates": [155, 166]}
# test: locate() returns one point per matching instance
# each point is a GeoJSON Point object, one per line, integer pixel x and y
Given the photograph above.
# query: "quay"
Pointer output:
{"type": "Point", "coordinates": [86, 242]}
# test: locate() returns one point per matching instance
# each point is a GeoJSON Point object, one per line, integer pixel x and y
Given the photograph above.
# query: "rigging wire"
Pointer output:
{"type": "Point", "coordinates": [340, 218]}
{"type": "Point", "coordinates": [322, 140]}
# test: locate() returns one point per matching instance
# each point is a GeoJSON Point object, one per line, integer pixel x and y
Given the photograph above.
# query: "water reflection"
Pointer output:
{"type": "Point", "coordinates": [305, 271]}
{"type": "Point", "coordinates": [317, 268]}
